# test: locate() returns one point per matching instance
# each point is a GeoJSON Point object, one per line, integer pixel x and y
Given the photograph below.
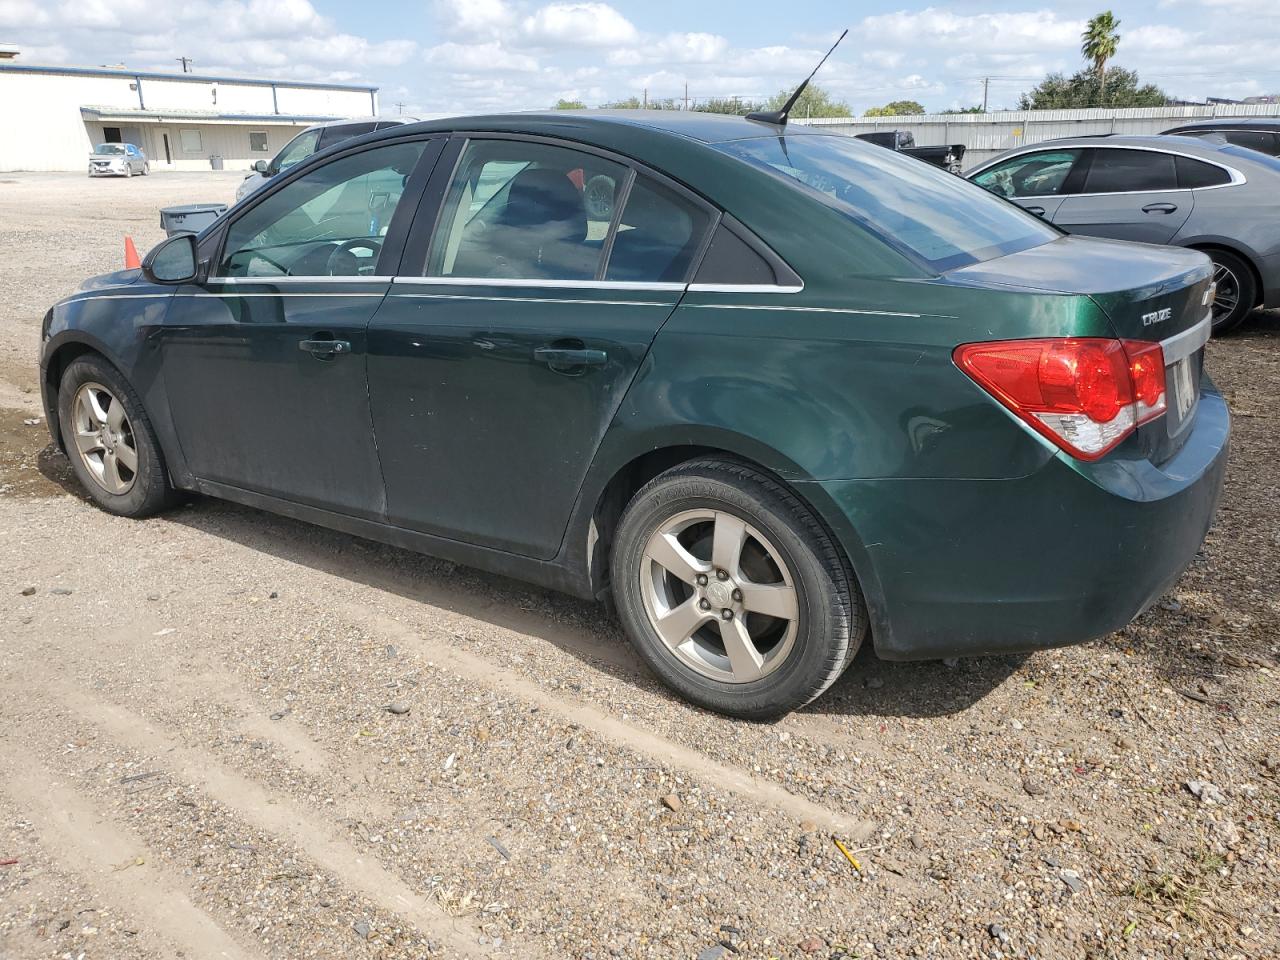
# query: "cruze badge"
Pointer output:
{"type": "Point", "coordinates": [1158, 316]}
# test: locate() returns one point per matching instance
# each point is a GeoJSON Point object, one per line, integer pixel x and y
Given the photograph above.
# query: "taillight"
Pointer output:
{"type": "Point", "coordinates": [1086, 394]}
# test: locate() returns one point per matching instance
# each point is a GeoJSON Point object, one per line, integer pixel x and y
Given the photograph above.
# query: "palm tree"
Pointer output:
{"type": "Point", "coordinates": [1099, 42]}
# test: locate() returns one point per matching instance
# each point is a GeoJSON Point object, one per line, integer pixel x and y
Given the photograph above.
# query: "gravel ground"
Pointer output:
{"type": "Point", "coordinates": [197, 756]}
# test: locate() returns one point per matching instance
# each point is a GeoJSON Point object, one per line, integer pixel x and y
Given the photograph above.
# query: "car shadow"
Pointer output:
{"type": "Point", "coordinates": [583, 629]}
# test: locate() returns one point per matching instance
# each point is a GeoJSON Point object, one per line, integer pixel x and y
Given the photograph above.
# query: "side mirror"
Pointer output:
{"type": "Point", "coordinates": [173, 261]}
{"type": "Point", "coordinates": [260, 166]}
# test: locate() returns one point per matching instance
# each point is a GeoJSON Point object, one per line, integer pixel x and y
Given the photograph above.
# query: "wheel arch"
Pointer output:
{"type": "Point", "coordinates": [595, 534]}
{"type": "Point", "coordinates": [62, 352]}
{"type": "Point", "coordinates": [1208, 244]}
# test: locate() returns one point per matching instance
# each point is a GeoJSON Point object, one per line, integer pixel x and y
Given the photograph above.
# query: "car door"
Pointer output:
{"type": "Point", "coordinates": [1127, 194]}
{"type": "Point", "coordinates": [264, 363]}
{"type": "Point", "coordinates": [515, 328]}
{"type": "Point", "coordinates": [1036, 181]}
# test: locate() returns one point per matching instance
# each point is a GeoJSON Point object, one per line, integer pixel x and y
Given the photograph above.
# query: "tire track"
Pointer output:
{"type": "Point", "coordinates": [278, 815]}
{"type": "Point", "coordinates": [72, 829]}
{"type": "Point", "coordinates": [689, 761]}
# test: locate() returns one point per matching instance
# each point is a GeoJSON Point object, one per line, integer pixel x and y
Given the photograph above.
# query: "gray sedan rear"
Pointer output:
{"type": "Point", "coordinates": [1216, 197]}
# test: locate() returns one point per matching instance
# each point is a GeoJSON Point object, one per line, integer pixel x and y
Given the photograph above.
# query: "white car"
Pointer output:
{"type": "Point", "coordinates": [310, 141]}
{"type": "Point", "coordinates": [117, 160]}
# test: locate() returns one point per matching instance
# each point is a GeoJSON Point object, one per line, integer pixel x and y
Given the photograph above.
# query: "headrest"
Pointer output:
{"type": "Point", "coordinates": [541, 196]}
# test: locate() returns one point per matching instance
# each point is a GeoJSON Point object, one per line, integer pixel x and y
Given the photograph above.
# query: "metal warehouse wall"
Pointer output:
{"type": "Point", "coordinates": [986, 134]}
{"type": "Point", "coordinates": [43, 128]}
{"type": "Point", "coordinates": [229, 141]}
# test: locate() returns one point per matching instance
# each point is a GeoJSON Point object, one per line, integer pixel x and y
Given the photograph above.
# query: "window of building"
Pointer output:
{"type": "Point", "coordinates": [190, 141]}
{"type": "Point", "coordinates": [258, 141]}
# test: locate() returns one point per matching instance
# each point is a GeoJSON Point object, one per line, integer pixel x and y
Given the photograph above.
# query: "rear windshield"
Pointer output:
{"type": "Point", "coordinates": [1255, 156]}
{"type": "Point", "coordinates": [932, 216]}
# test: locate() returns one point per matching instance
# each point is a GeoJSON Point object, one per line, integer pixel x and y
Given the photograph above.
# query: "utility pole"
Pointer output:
{"type": "Point", "coordinates": [399, 107]}
{"type": "Point", "coordinates": [186, 63]}
{"type": "Point", "coordinates": [986, 82]}
{"type": "Point", "coordinates": [646, 98]}
{"type": "Point", "coordinates": [686, 94]}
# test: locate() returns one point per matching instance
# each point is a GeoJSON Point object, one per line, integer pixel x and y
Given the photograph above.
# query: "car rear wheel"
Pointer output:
{"type": "Point", "coordinates": [733, 592]}
{"type": "Point", "coordinates": [109, 440]}
{"type": "Point", "coordinates": [1237, 290]}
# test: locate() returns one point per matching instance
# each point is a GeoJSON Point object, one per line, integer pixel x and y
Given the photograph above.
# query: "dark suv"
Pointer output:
{"type": "Point", "coordinates": [312, 140]}
{"type": "Point", "coordinates": [1261, 134]}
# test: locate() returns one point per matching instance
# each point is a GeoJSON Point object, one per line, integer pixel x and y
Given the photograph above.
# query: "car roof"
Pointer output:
{"type": "Point", "coordinates": [689, 124]}
{"type": "Point", "coordinates": [1232, 123]}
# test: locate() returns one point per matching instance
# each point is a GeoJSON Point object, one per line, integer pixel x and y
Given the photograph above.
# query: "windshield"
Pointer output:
{"type": "Point", "coordinates": [930, 215]}
{"type": "Point", "coordinates": [108, 148]}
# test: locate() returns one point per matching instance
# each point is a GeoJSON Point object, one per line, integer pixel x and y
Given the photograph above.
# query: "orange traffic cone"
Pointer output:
{"type": "Point", "coordinates": [131, 259]}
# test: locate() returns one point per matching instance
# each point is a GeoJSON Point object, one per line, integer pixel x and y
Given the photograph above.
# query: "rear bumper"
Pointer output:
{"type": "Point", "coordinates": [1070, 552]}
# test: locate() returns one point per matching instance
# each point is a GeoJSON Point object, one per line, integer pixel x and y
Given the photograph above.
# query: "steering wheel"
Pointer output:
{"type": "Point", "coordinates": [343, 251]}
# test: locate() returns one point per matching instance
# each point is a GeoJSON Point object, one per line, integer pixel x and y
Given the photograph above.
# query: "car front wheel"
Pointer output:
{"type": "Point", "coordinates": [109, 440]}
{"type": "Point", "coordinates": [733, 592]}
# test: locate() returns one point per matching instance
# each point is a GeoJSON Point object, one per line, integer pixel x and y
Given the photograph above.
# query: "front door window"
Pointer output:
{"type": "Point", "coordinates": [330, 222]}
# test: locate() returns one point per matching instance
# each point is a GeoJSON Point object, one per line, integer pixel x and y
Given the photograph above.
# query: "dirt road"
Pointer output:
{"type": "Point", "coordinates": [197, 757]}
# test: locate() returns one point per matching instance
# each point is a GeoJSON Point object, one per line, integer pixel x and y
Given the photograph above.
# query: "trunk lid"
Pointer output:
{"type": "Point", "coordinates": [1150, 293]}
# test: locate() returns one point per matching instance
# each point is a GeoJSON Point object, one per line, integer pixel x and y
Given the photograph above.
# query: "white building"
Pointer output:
{"type": "Point", "coordinates": [52, 116]}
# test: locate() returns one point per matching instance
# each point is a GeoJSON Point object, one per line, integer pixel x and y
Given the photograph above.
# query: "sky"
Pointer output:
{"type": "Point", "coordinates": [453, 56]}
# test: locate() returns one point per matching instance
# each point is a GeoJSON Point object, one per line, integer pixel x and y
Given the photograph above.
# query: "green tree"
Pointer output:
{"type": "Point", "coordinates": [1099, 41]}
{"type": "Point", "coordinates": [732, 105]}
{"type": "Point", "coordinates": [1085, 89]}
{"type": "Point", "coordinates": [814, 102]}
{"type": "Point", "coordinates": [975, 109]}
{"type": "Point", "coordinates": [630, 103]}
{"type": "Point", "coordinates": [898, 108]}
{"type": "Point", "coordinates": [563, 104]}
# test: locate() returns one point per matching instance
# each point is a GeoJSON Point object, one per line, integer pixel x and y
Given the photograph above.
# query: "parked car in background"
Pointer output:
{"type": "Point", "coordinates": [904, 141]}
{"type": "Point", "coordinates": [793, 388]}
{"type": "Point", "coordinates": [312, 140]}
{"type": "Point", "coordinates": [117, 160]}
{"type": "Point", "coordinates": [1187, 192]}
{"type": "Point", "coordinates": [1261, 134]}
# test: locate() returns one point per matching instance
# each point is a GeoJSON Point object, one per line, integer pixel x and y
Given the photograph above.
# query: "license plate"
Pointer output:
{"type": "Point", "coordinates": [1184, 394]}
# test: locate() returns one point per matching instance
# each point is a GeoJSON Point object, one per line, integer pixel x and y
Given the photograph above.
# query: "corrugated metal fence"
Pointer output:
{"type": "Point", "coordinates": [986, 134]}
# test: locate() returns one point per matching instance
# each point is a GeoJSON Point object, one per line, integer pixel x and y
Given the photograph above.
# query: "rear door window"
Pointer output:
{"type": "Point", "coordinates": [517, 210]}
{"type": "Point", "coordinates": [1130, 171]}
{"type": "Point", "coordinates": [658, 236]}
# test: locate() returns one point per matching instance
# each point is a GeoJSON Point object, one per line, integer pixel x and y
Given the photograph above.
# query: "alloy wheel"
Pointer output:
{"type": "Point", "coordinates": [104, 438]}
{"type": "Point", "coordinates": [1228, 292]}
{"type": "Point", "coordinates": [719, 595]}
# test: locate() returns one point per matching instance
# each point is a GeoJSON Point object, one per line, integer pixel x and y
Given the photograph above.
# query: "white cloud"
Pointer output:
{"type": "Point", "coordinates": [478, 57]}
{"type": "Point", "coordinates": [475, 18]}
{"type": "Point", "coordinates": [579, 25]}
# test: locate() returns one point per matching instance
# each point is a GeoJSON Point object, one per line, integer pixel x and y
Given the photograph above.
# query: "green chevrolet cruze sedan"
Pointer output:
{"type": "Point", "coordinates": [774, 392]}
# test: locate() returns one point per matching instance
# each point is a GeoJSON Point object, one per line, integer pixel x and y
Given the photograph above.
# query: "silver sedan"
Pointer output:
{"type": "Point", "coordinates": [1216, 197]}
{"type": "Point", "coordinates": [117, 160]}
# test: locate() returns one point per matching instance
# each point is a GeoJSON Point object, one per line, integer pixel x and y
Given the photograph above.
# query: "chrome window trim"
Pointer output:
{"type": "Point", "coordinates": [463, 296]}
{"type": "Point", "coordinates": [298, 278]}
{"type": "Point", "coordinates": [743, 288]}
{"type": "Point", "coordinates": [540, 284]}
{"type": "Point", "coordinates": [1184, 344]}
{"type": "Point", "coordinates": [1237, 178]}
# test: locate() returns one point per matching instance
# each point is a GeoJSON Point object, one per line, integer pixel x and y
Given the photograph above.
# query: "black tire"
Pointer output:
{"type": "Point", "coordinates": [1238, 274]}
{"type": "Point", "coordinates": [150, 491]}
{"type": "Point", "coordinates": [831, 621]}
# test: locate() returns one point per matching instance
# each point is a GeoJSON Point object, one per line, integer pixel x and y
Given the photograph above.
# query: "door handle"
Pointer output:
{"type": "Point", "coordinates": [1160, 208]}
{"type": "Point", "coordinates": [325, 349]}
{"type": "Point", "coordinates": [563, 359]}
{"type": "Point", "coordinates": [1038, 211]}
